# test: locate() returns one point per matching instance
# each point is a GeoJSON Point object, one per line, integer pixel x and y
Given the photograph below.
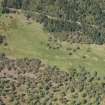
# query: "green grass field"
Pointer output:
{"type": "Point", "coordinates": [29, 40]}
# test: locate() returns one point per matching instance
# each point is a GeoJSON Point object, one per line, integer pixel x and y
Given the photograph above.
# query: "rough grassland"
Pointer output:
{"type": "Point", "coordinates": [29, 40]}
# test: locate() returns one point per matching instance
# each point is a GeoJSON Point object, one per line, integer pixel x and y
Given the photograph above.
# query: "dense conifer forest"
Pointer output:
{"type": "Point", "coordinates": [83, 16]}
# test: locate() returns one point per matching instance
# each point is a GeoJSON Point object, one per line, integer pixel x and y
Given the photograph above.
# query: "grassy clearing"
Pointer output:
{"type": "Point", "coordinates": [29, 40]}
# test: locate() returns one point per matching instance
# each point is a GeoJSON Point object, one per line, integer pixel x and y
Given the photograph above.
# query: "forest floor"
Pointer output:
{"type": "Point", "coordinates": [28, 39]}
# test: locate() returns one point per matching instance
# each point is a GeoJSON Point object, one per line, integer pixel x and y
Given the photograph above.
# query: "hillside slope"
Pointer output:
{"type": "Point", "coordinates": [31, 82]}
